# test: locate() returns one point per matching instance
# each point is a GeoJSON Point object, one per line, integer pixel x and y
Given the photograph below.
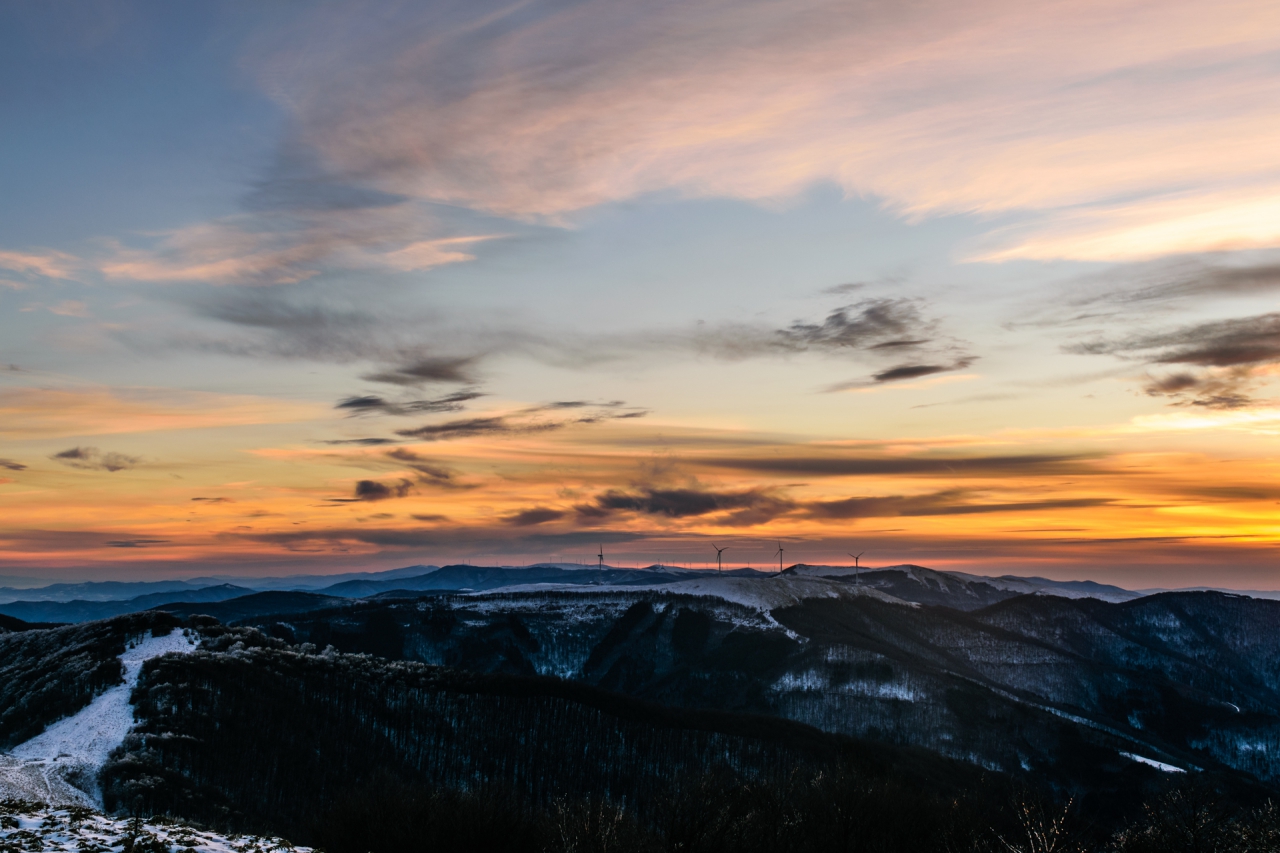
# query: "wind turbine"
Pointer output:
{"type": "Point", "coordinates": [719, 551]}
{"type": "Point", "coordinates": [600, 565]}
{"type": "Point", "coordinates": [855, 566]}
{"type": "Point", "coordinates": [779, 556]}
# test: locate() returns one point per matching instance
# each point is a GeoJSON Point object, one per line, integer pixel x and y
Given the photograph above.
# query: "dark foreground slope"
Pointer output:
{"type": "Point", "coordinates": [273, 738]}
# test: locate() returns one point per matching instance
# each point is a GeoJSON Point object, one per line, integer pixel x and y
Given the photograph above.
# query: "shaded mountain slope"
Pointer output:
{"type": "Point", "coordinates": [1185, 679]}
{"type": "Point", "coordinates": [262, 737]}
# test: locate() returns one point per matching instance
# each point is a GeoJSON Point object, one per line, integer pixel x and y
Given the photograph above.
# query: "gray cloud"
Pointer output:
{"type": "Point", "coordinates": [1144, 286]}
{"type": "Point", "coordinates": [10, 465]}
{"type": "Point", "coordinates": [468, 427]}
{"type": "Point", "coordinates": [948, 502]}
{"type": "Point", "coordinates": [373, 404]}
{"type": "Point", "coordinates": [372, 490]}
{"type": "Point", "coordinates": [844, 466]}
{"type": "Point", "coordinates": [364, 442]}
{"type": "Point", "coordinates": [1221, 343]}
{"type": "Point", "coordinates": [524, 421]}
{"type": "Point", "coordinates": [430, 472]}
{"type": "Point", "coordinates": [862, 326]}
{"type": "Point", "coordinates": [135, 543]}
{"type": "Point", "coordinates": [428, 370]}
{"type": "Point", "coordinates": [92, 459]}
{"type": "Point", "coordinates": [752, 506]}
{"type": "Point", "coordinates": [534, 516]}
{"type": "Point", "coordinates": [910, 371]}
{"type": "Point", "coordinates": [1227, 351]}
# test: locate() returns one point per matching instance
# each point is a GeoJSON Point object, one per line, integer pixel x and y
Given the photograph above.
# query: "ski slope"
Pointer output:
{"type": "Point", "coordinates": [60, 766]}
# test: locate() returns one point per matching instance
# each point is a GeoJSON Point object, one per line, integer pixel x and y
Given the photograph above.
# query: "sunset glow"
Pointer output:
{"type": "Point", "coordinates": [984, 286]}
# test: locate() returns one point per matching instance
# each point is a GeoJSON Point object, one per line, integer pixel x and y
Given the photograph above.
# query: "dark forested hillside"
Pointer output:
{"type": "Point", "coordinates": [47, 674]}
{"type": "Point", "coordinates": [1033, 682]}
{"type": "Point", "coordinates": [262, 737]}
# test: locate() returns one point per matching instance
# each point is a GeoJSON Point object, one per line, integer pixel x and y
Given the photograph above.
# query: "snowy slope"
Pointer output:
{"type": "Point", "coordinates": [764, 594]}
{"type": "Point", "coordinates": [54, 830]}
{"type": "Point", "coordinates": [60, 766]}
{"type": "Point", "coordinates": [959, 585]}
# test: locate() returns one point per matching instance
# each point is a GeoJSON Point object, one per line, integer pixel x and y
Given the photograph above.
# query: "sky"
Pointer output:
{"type": "Point", "coordinates": [317, 287]}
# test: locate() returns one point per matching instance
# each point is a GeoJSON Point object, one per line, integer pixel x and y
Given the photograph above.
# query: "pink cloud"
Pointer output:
{"type": "Point", "coordinates": [43, 262]}
{"type": "Point", "coordinates": [1056, 110]}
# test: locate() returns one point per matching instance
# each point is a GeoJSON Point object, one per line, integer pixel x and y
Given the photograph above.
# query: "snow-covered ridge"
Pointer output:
{"type": "Point", "coordinates": [762, 594]}
{"type": "Point", "coordinates": [25, 827]}
{"type": "Point", "coordinates": [60, 766]}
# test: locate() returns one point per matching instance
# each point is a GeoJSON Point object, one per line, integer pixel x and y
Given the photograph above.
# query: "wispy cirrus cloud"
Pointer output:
{"type": "Point", "coordinates": [1106, 131]}
{"type": "Point", "coordinates": [948, 502]}
{"type": "Point", "coordinates": [1126, 130]}
{"type": "Point", "coordinates": [255, 250]}
{"type": "Point", "coordinates": [42, 262]}
{"type": "Point", "coordinates": [836, 463]}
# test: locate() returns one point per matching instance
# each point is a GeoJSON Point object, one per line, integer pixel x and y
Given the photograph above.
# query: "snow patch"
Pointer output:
{"type": "Point", "coordinates": [74, 831]}
{"type": "Point", "coordinates": [814, 681]}
{"type": "Point", "coordinates": [1159, 765]}
{"type": "Point", "coordinates": [60, 766]}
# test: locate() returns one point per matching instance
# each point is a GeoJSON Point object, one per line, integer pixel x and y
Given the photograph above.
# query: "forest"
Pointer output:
{"type": "Point", "coordinates": [356, 753]}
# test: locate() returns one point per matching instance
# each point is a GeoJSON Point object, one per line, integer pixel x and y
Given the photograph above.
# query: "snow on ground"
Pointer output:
{"type": "Point", "coordinates": [772, 593]}
{"type": "Point", "coordinates": [763, 594]}
{"type": "Point", "coordinates": [28, 827]}
{"type": "Point", "coordinates": [1159, 765]}
{"type": "Point", "coordinates": [60, 766]}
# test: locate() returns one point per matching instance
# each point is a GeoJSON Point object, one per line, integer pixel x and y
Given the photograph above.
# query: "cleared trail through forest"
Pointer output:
{"type": "Point", "coordinates": [60, 766]}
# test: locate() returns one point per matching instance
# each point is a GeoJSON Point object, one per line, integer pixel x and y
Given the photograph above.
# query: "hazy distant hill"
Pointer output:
{"type": "Point", "coordinates": [256, 605]}
{"type": "Point", "coordinates": [86, 611]}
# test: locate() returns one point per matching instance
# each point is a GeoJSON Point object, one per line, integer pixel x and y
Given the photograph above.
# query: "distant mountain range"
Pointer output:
{"type": "Point", "coordinates": [81, 602]}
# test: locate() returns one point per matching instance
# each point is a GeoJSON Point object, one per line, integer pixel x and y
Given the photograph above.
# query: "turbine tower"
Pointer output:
{"type": "Point", "coordinates": [600, 556]}
{"type": "Point", "coordinates": [719, 551]}
{"type": "Point", "coordinates": [855, 566]}
{"type": "Point", "coordinates": [779, 556]}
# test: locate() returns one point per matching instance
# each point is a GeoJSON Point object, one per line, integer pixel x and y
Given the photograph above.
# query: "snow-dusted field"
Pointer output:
{"type": "Point", "coordinates": [52, 830]}
{"type": "Point", "coordinates": [59, 767]}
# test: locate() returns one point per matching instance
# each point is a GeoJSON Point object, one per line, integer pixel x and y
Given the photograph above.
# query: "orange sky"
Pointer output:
{"type": "Point", "coordinates": [983, 286]}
